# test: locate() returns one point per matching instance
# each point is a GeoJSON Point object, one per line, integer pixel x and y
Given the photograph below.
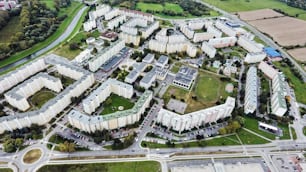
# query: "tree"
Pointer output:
{"type": "Point", "coordinates": [73, 46]}
{"type": "Point", "coordinates": [67, 147]}
{"type": "Point", "coordinates": [222, 131]}
{"type": "Point", "coordinates": [18, 142]}
{"type": "Point", "coordinates": [235, 126]}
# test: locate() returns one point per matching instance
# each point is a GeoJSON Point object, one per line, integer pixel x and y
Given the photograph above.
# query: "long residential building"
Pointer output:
{"type": "Point", "coordinates": [251, 91]}
{"type": "Point", "coordinates": [137, 14]}
{"type": "Point", "coordinates": [116, 22]}
{"type": "Point", "coordinates": [49, 110]}
{"type": "Point", "coordinates": [249, 45]}
{"type": "Point", "coordinates": [223, 42]}
{"type": "Point", "coordinates": [267, 69]}
{"type": "Point", "coordinates": [209, 49]}
{"type": "Point", "coordinates": [278, 101]}
{"type": "Point", "coordinates": [199, 118]}
{"type": "Point", "coordinates": [255, 57]}
{"type": "Point", "coordinates": [94, 100]}
{"type": "Point", "coordinates": [105, 55]}
{"type": "Point", "coordinates": [225, 28]}
{"type": "Point", "coordinates": [111, 121]}
{"type": "Point", "coordinates": [19, 75]}
{"type": "Point", "coordinates": [17, 97]}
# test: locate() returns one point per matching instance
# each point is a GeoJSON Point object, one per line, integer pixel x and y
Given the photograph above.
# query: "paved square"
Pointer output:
{"type": "Point", "coordinates": [177, 106]}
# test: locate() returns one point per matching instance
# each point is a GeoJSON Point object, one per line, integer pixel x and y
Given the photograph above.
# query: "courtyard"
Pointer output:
{"type": "Point", "coordinates": [116, 103]}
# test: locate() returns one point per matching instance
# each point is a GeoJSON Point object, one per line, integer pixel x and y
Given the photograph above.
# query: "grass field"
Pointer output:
{"type": "Point", "coordinates": [145, 166]}
{"type": "Point", "coordinates": [10, 29]}
{"type": "Point", "coordinates": [249, 138]}
{"type": "Point", "coordinates": [142, 6]}
{"type": "Point", "coordinates": [244, 5]}
{"type": "Point", "coordinates": [298, 85]}
{"type": "Point", "coordinates": [6, 170]}
{"type": "Point", "coordinates": [252, 124]}
{"type": "Point", "coordinates": [49, 3]}
{"type": "Point", "coordinates": [115, 102]}
{"type": "Point", "coordinates": [71, 11]}
{"type": "Point", "coordinates": [208, 89]}
{"type": "Point", "coordinates": [32, 156]}
{"type": "Point", "coordinates": [65, 51]}
{"type": "Point", "coordinates": [41, 97]}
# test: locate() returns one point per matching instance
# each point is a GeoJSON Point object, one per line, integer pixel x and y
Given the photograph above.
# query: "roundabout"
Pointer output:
{"type": "Point", "coordinates": [32, 156]}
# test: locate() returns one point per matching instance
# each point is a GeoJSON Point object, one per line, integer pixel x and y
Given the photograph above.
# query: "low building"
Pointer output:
{"type": "Point", "coordinates": [162, 61]}
{"type": "Point", "coordinates": [149, 58]}
{"type": "Point", "coordinates": [185, 77]}
{"type": "Point", "coordinates": [272, 53]}
{"type": "Point", "coordinates": [255, 57]}
{"type": "Point", "coordinates": [148, 79]}
{"type": "Point", "coordinates": [267, 69]}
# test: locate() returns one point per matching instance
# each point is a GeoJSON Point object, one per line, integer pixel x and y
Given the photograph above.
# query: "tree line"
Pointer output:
{"type": "Point", "coordinates": [37, 23]}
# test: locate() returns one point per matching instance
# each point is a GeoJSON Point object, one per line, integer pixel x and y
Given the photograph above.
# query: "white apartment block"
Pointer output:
{"type": "Point", "coordinates": [251, 91]}
{"type": "Point", "coordinates": [94, 100]}
{"type": "Point", "coordinates": [171, 44]}
{"type": "Point", "coordinates": [137, 14]}
{"type": "Point", "coordinates": [105, 55]}
{"type": "Point", "coordinates": [112, 121]}
{"type": "Point", "coordinates": [249, 45]}
{"type": "Point", "coordinates": [223, 42]}
{"type": "Point", "coordinates": [217, 33]}
{"type": "Point", "coordinates": [268, 70]}
{"type": "Point", "coordinates": [203, 36]}
{"type": "Point", "coordinates": [189, 121]}
{"type": "Point", "coordinates": [89, 25]}
{"type": "Point", "coordinates": [112, 14]}
{"type": "Point", "coordinates": [278, 101]}
{"type": "Point", "coordinates": [145, 33]}
{"type": "Point", "coordinates": [116, 22]}
{"type": "Point", "coordinates": [148, 79]}
{"type": "Point", "coordinates": [130, 38]}
{"type": "Point", "coordinates": [83, 56]}
{"type": "Point", "coordinates": [225, 28]}
{"type": "Point", "coordinates": [187, 31]}
{"type": "Point", "coordinates": [15, 77]}
{"type": "Point", "coordinates": [255, 57]}
{"type": "Point", "coordinates": [56, 105]}
{"type": "Point", "coordinates": [17, 97]}
{"type": "Point", "coordinates": [8, 4]}
{"type": "Point", "coordinates": [209, 50]}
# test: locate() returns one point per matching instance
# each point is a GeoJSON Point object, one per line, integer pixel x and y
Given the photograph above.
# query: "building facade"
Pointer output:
{"type": "Point", "coordinates": [251, 91]}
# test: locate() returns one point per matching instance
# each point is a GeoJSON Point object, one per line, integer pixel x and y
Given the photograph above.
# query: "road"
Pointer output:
{"type": "Point", "coordinates": [59, 40]}
{"type": "Point", "coordinates": [263, 37]}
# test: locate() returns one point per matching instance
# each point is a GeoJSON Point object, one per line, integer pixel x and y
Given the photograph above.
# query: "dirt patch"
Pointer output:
{"type": "Point", "coordinates": [298, 53]}
{"type": "Point", "coordinates": [286, 31]}
{"type": "Point", "coordinates": [32, 156]}
{"type": "Point", "coordinates": [259, 14]}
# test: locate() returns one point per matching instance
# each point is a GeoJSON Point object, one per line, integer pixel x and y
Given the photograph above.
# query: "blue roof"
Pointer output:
{"type": "Point", "coordinates": [271, 52]}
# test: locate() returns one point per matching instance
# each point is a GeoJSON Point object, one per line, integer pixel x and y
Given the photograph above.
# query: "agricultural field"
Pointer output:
{"type": "Point", "coordinates": [258, 14]}
{"type": "Point", "coordinates": [114, 102]}
{"type": "Point", "coordinates": [244, 5]}
{"type": "Point", "coordinates": [147, 166]}
{"type": "Point", "coordinates": [298, 54]}
{"type": "Point", "coordinates": [286, 31]}
{"type": "Point", "coordinates": [208, 90]}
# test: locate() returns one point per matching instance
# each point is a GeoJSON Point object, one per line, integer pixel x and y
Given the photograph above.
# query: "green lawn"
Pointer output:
{"type": "Point", "coordinates": [41, 97]}
{"type": "Point", "coordinates": [49, 3]}
{"type": "Point", "coordinates": [66, 52]}
{"type": "Point", "coordinates": [144, 166]}
{"type": "Point", "coordinates": [143, 6]}
{"type": "Point", "coordinates": [10, 29]}
{"type": "Point", "coordinates": [113, 102]}
{"type": "Point", "coordinates": [6, 170]}
{"type": "Point", "coordinates": [252, 124]}
{"type": "Point", "coordinates": [248, 5]}
{"type": "Point", "coordinates": [176, 67]}
{"type": "Point", "coordinates": [249, 138]}
{"type": "Point", "coordinates": [71, 11]}
{"type": "Point", "coordinates": [298, 85]}
{"type": "Point", "coordinates": [208, 89]}
{"type": "Point", "coordinates": [304, 131]}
